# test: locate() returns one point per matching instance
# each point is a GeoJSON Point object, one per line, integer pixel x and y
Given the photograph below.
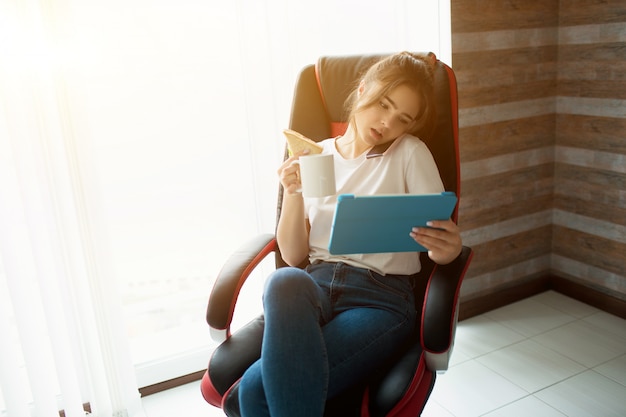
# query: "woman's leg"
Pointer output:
{"type": "Point", "coordinates": [252, 401]}
{"type": "Point", "coordinates": [305, 361]}
{"type": "Point", "coordinates": [374, 317]}
{"type": "Point", "coordinates": [292, 373]}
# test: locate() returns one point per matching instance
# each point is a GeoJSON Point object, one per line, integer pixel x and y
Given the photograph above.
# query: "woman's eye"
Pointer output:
{"type": "Point", "coordinates": [384, 105]}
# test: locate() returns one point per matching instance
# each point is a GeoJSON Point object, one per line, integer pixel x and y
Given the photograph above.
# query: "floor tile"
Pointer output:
{"type": "Point", "coordinates": [584, 342]}
{"type": "Point", "coordinates": [529, 317]}
{"type": "Point", "coordinates": [610, 323]}
{"type": "Point", "coordinates": [530, 365]}
{"type": "Point", "coordinates": [565, 304]}
{"type": "Point", "coordinates": [586, 394]}
{"type": "Point", "coordinates": [471, 389]}
{"type": "Point", "coordinates": [433, 409]}
{"type": "Point", "coordinates": [529, 406]}
{"type": "Point", "coordinates": [458, 355]}
{"type": "Point", "coordinates": [480, 335]}
{"type": "Point", "coordinates": [615, 369]}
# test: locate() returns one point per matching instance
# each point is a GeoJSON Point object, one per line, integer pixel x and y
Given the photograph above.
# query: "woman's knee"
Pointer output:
{"type": "Point", "coordinates": [287, 283]}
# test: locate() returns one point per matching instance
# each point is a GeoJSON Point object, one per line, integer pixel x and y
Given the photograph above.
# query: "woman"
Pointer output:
{"type": "Point", "coordinates": [331, 325]}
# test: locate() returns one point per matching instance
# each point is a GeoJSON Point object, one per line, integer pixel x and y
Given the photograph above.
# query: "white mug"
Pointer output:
{"type": "Point", "coordinates": [317, 175]}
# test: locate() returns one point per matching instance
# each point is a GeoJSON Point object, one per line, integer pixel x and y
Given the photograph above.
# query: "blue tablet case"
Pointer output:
{"type": "Point", "coordinates": [382, 223]}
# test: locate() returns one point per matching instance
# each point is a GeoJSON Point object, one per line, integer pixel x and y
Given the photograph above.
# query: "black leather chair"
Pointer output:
{"type": "Point", "coordinates": [402, 388]}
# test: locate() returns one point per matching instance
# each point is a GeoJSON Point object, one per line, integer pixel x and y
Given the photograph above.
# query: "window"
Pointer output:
{"type": "Point", "coordinates": [176, 108]}
{"type": "Point", "coordinates": [185, 102]}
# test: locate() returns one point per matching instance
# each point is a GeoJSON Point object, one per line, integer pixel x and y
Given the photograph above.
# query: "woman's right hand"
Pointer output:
{"type": "Point", "coordinates": [289, 174]}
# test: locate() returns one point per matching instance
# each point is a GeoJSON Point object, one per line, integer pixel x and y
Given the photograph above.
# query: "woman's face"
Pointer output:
{"type": "Point", "coordinates": [392, 116]}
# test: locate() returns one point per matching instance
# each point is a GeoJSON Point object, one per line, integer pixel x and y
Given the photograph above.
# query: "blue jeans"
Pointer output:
{"type": "Point", "coordinates": [326, 328]}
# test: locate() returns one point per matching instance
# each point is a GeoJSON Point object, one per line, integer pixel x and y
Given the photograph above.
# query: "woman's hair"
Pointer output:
{"type": "Point", "coordinates": [404, 68]}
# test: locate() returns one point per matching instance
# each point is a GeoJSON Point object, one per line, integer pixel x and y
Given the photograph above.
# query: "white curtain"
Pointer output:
{"type": "Point", "coordinates": [63, 343]}
{"type": "Point", "coordinates": [115, 115]}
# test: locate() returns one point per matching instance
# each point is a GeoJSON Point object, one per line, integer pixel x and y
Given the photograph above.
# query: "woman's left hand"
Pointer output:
{"type": "Point", "coordinates": [442, 239]}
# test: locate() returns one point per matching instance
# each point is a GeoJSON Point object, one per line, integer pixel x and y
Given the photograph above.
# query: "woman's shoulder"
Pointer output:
{"type": "Point", "coordinates": [409, 144]}
{"type": "Point", "coordinates": [411, 141]}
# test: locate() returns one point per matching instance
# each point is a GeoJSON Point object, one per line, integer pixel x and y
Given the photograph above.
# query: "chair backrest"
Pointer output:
{"type": "Point", "coordinates": [318, 110]}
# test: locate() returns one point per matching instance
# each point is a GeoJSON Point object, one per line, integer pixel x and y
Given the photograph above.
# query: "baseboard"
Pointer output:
{"type": "Point", "coordinates": [172, 383]}
{"type": "Point", "coordinates": [593, 297]}
{"type": "Point", "coordinates": [505, 296]}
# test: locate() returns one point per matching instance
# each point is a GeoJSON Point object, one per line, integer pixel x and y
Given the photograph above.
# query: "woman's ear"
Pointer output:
{"type": "Point", "coordinates": [361, 88]}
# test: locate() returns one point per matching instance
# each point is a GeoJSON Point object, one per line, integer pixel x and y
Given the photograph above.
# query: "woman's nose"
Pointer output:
{"type": "Point", "coordinates": [386, 121]}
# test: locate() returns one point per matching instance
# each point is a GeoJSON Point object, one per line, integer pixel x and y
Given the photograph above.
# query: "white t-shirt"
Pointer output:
{"type": "Point", "coordinates": [407, 167]}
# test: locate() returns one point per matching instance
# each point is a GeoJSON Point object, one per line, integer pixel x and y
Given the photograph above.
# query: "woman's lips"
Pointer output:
{"type": "Point", "coordinates": [376, 134]}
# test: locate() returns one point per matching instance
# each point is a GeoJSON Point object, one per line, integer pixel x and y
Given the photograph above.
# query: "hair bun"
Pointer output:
{"type": "Point", "coordinates": [428, 57]}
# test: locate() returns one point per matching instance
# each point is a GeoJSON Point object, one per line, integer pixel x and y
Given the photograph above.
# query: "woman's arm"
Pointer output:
{"type": "Point", "coordinates": [292, 233]}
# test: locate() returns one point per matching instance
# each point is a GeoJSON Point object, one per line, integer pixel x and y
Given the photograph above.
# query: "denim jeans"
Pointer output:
{"type": "Point", "coordinates": [326, 328]}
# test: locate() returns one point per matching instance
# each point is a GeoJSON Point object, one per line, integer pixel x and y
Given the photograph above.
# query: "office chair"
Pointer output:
{"type": "Point", "coordinates": [402, 388]}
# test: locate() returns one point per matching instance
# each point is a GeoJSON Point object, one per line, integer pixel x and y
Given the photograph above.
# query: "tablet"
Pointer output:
{"type": "Point", "coordinates": [382, 223]}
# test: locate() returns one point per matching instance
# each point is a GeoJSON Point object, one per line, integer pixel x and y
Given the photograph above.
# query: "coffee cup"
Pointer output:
{"type": "Point", "coordinates": [317, 175]}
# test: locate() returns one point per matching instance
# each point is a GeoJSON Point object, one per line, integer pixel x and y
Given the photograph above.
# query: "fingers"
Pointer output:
{"type": "Point", "coordinates": [290, 178]}
{"type": "Point", "coordinates": [442, 239]}
{"type": "Point", "coordinates": [289, 174]}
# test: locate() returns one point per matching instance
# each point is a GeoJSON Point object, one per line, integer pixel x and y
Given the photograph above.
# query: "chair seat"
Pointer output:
{"type": "Point", "coordinates": [382, 395]}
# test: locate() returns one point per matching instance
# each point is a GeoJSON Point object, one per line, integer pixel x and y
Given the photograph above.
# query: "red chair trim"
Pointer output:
{"type": "Point", "coordinates": [209, 392]}
{"type": "Point", "coordinates": [365, 409]}
{"type": "Point", "coordinates": [409, 396]}
{"type": "Point", "coordinates": [267, 249]}
{"type": "Point", "coordinates": [455, 131]}
{"type": "Point", "coordinates": [414, 397]}
{"type": "Point", "coordinates": [227, 393]}
{"type": "Point", "coordinates": [338, 129]}
{"type": "Point", "coordinates": [417, 400]}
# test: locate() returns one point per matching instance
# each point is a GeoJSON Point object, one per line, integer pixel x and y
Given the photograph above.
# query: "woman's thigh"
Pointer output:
{"type": "Point", "coordinates": [373, 315]}
{"type": "Point", "coordinates": [360, 341]}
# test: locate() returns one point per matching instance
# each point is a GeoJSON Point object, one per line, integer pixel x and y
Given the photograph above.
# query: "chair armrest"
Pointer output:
{"type": "Point", "coordinates": [440, 310]}
{"type": "Point", "coordinates": [229, 281]}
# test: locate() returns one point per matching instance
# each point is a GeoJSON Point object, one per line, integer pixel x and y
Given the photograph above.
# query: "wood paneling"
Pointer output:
{"type": "Point", "coordinates": [542, 106]}
{"type": "Point", "coordinates": [584, 132]}
{"type": "Point", "coordinates": [509, 250]}
{"type": "Point", "coordinates": [501, 138]}
{"type": "Point", "coordinates": [589, 237]}
{"type": "Point", "coordinates": [506, 75]}
{"type": "Point", "coordinates": [591, 249]}
{"type": "Point", "coordinates": [487, 202]}
{"type": "Point", "coordinates": [585, 12]}
{"type": "Point", "coordinates": [480, 15]}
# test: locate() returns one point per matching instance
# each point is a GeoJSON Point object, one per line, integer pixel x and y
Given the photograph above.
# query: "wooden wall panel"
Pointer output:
{"type": "Point", "coordinates": [585, 12]}
{"type": "Point", "coordinates": [507, 75]}
{"type": "Point", "coordinates": [590, 153]}
{"type": "Point", "coordinates": [505, 54]}
{"type": "Point", "coordinates": [481, 15]}
{"type": "Point", "coordinates": [542, 115]}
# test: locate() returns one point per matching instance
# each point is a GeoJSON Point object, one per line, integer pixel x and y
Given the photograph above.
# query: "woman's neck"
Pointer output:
{"type": "Point", "coordinates": [350, 146]}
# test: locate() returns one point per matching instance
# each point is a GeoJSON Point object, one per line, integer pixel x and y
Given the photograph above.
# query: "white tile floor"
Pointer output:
{"type": "Point", "coordinates": [548, 355]}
